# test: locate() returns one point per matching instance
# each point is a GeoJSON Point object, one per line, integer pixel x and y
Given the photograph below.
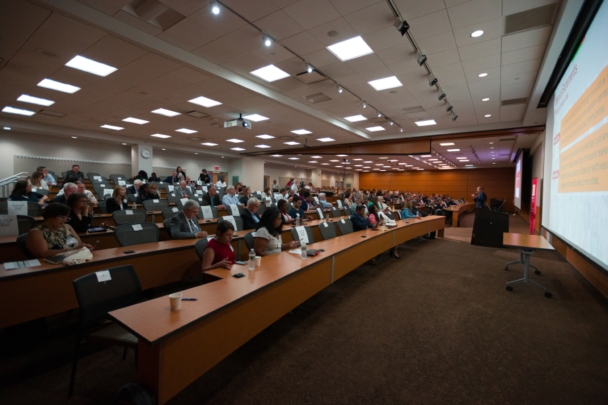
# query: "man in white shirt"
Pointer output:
{"type": "Point", "coordinates": [48, 178]}
{"type": "Point", "coordinates": [275, 186]}
{"type": "Point", "coordinates": [221, 183]}
{"type": "Point", "coordinates": [294, 187]}
{"type": "Point", "coordinates": [231, 198]}
{"type": "Point", "coordinates": [381, 205]}
{"type": "Point", "coordinates": [323, 201]}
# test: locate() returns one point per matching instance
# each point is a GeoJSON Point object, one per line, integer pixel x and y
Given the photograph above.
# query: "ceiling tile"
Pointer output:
{"type": "Point", "coordinates": [472, 76]}
{"type": "Point", "coordinates": [219, 51]}
{"type": "Point", "coordinates": [337, 70]}
{"type": "Point", "coordinates": [303, 43]}
{"type": "Point", "coordinates": [448, 70]}
{"type": "Point", "coordinates": [18, 21]}
{"type": "Point", "coordinates": [365, 63]}
{"type": "Point", "coordinates": [443, 58]}
{"type": "Point", "coordinates": [137, 23]}
{"type": "Point", "coordinates": [320, 58]}
{"type": "Point", "coordinates": [471, 65]}
{"type": "Point", "coordinates": [513, 91]}
{"type": "Point", "coordinates": [515, 6]}
{"type": "Point", "coordinates": [252, 10]}
{"type": "Point", "coordinates": [430, 24]}
{"type": "Point", "coordinates": [273, 54]}
{"type": "Point", "coordinates": [184, 7]}
{"type": "Point", "coordinates": [339, 25]}
{"type": "Point", "coordinates": [109, 7]}
{"type": "Point", "coordinates": [371, 19]}
{"type": "Point", "coordinates": [437, 43]}
{"type": "Point", "coordinates": [512, 112]}
{"type": "Point", "coordinates": [114, 52]}
{"type": "Point", "coordinates": [526, 39]}
{"type": "Point", "coordinates": [411, 9]}
{"type": "Point", "coordinates": [221, 24]}
{"type": "Point", "coordinates": [312, 13]}
{"type": "Point", "coordinates": [345, 7]}
{"type": "Point", "coordinates": [396, 54]}
{"type": "Point", "coordinates": [279, 25]}
{"type": "Point", "coordinates": [385, 38]}
{"type": "Point", "coordinates": [480, 50]}
{"type": "Point", "coordinates": [188, 34]}
{"type": "Point", "coordinates": [474, 12]}
{"type": "Point", "coordinates": [521, 67]}
{"type": "Point", "coordinates": [523, 55]}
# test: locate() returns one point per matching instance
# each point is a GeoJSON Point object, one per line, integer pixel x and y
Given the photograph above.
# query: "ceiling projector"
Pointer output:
{"type": "Point", "coordinates": [238, 123]}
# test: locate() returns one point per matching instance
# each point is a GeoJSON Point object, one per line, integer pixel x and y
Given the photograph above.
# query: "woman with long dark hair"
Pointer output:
{"type": "Point", "coordinates": [268, 235]}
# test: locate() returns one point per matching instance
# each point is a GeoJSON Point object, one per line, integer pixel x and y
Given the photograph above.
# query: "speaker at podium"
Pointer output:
{"type": "Point", "coordinates": [489, 227]}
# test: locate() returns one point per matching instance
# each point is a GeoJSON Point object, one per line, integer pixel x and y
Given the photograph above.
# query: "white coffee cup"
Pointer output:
{"type": "Point", "coordinates": [258, 261]}
{"type": "Point", "coordinates": [175, 300]}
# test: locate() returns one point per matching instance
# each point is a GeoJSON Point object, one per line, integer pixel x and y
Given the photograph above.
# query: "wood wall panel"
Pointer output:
{"type": "Point", "coordinates": [498, 183]}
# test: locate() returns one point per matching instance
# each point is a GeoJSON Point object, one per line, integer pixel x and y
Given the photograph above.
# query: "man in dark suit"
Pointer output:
{"type": "Point", "coordinates": [183, 190]}
{"type": "Point", "coordinates": [74, 173]}
{"type": "Point", "coordinates": [480, 198]}
{"type": "Point", "coordinates": [204, 177]}
{"type": "Point", "coordinates": [249, 216]}
{"type": "Point", "coordinates": [358, 219]}
{"type": "Point", "coordinates": [68, 188]}
{"type": "Point", "coordinates": [173, 179]}
{"type": "Point", "coordinates": [212, 198]}
{"type": "Point", "coordinates": [184, 225]}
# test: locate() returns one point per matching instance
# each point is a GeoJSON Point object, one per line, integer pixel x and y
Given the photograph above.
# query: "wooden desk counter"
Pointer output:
{"type": "Point", "coordinates": [526, 241]}
{"type": "Point", "coordinates": [458, 210]}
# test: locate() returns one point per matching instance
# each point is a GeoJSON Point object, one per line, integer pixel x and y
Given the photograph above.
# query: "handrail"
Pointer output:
{"type": "Point", "coordinates": [5, 183]}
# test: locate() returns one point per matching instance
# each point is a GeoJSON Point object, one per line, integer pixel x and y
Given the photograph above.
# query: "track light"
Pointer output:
{"type": "Point", "coordinates": [421, 59]}
{"type": "Point", "coordinates": [391, 123]}
{"type": "Point", "coordinates": [454, 117]}
{"type": "Point", "coordinates": [432, 80]}
{"type": "Point", "coordinates": [400, 129]}
{"type": "Point", "coordinates": [309, 68]}
{"type": "Point", "coordinates": [402, 26]}
{"type": "Point", "coordinates": [339, 89]}
{"type": "Point", "coordinates": [363, 104]}
{"type": "Point", "coordinates": [379, 114]}
{"type": "Point", "coordinates": [267, 40]}
{"type": "Point", "coordinates": [449, 108]}
{"type": "Point", "coordinates": [215, 8]}
{"type": "Point", "coordinates": [441, 96]}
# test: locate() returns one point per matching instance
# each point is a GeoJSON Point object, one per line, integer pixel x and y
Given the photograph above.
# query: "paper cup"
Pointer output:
{"type": "Point", "coordinates": [258, 261]}
{"type": "Point", "coordinates": [175, 300]}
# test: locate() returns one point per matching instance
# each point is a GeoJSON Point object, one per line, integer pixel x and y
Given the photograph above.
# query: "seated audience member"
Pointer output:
{"type": "Point", "coordinates": [153, 177]}
{"type": "Point", "coordinates": [68, 188]}
{"type": "Point", "coordinates": [249, 214]}
{"type": "Point", "coordinates": [23, 192]}
{"type": "Point", "coordinates": [246, 196]}
{"type": "Point", "coordinates": [297, 210]}
{"type": "Point", "coordinates": [268, 235]}
{"type": "Point", "coordinates": [190, 183]}
{"type": "Point", "coordinates": [147, 193]}
{"type": "Point", "coordinates": [360, 222]}
{"type": "Point", "coordinates": [294, 186]}
{"type": "Point", "coordinates": [141, 175]}
{"type": "Point", "coordinates": [283, 207]}
{"type": "Point", "coordinates": [266, 193]}
{"type": "Point", "coordinates": [46, 176]}
{"type": "Point", "coordinates": [37, 181]}
{"type": "Point", "coordinates": [54, 235]}
{"type": "Point", "coordinates": [173, 179]}
{"type": "Point", "coordinates": [323, 201]}
{"type": "Point", "coordinates": [347, 201]}
{"type": "Point", "coordinates": [221, 183]}
{"type": "Point", "coordinates": [180, 172]}
{"type": "Point", "coordinates": [275, 186]}
{"type": "Point", "coordinates": [81, 188]}
{"type": "Point", "coordinates": [283, 193]}
{"type": "Point", "coordinates": [183, 190]}
{"type": "Point", "coordinates": [134, 189]}
{"type": "Point", "coordinates": [118, 201]}
{"type": "Point", "coordinates": [372, 216]}
{"type": "Point", "coordinates": [204, 177]}
{"type": "Point", "coordinates": [306, 201]}
{"type": "Point", "coordinates": [184, 225]}
{"type": "Point", "coordinates": [81, 215]}
{"type": "Point", "coordinates": [219, 254]}
{"type": "Point", "coordinates": [381, 205]}
{"type": "Point", "coordinates": [231, 198]}
{"type": "Point", "coordinates": [405, 213]}
{"type": "Point", "coordinates": [212, 198]}
{"type": "Point", "coordinates": [74, 172]}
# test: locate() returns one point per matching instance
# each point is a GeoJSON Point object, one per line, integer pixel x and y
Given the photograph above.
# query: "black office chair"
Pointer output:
{"type": "Point", "coordinates": [101, 204]}
{"type": "Point", "coordinates": [345, 226]}
{"type": "Point", "coordinates": [25, 223]}
{"type": "Point", "coordinates": [170, 212]}
{"type": "Point", "coordinates": [33, 209]}
{"type": "Point", "coordinates": [127, 236]}
{"type": "Point", "coordinates": [117, 177]}
{"type": "Point", "coordinates": [347, 211]}
{"type": "Point", "coordinates": [201, 215]}
{"type": "Point", "coordinates": [133, 199]}
{"type": "Point", "coordinates": [261, 209]}
{"type": "Point", "coordinates": [155, 205]}
{"type": "Point", "coordinates": [249, 240]}
{"type": "Point", "coordinates": [91, 175]}
{"type": "Point", "coordinates": [335, 212]}
{"type": "Point", "coordinates": [21, 245]}
{"type": "Point", "coordinates": [42, 191]}
{"type": "Point", "coordinates": [172, 198]}
{"type": "Point", "coordinates": [129, 216]}
{"type": "Point", "coordinates": [309, 234]}
{"type": "Point", "coordinates": [328, 230]}
{"type": "Point", "coordinates": [200, 246]}
{"type": "Point", "coordinates": [237, 220]}
{"type": "Point", "coordinates": [167, 226]}
{"type": "Point", "coordinates": [96, 299]}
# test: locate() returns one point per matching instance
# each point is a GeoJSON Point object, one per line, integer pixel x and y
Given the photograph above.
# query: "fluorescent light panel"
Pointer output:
{"type": "Point", "coordinates": [186, 131]}
{"type": "Point", "coordinates": [19, 111]}
{"type": "Point", "coordinates": [355, 118]}
{"type": "Point", "coordinates": [167, 113]}
{"type": "Point", "coordinates": [112, 127]}
{"type": "Point", "coordinates": [350, 49]}
{"type": "Point", "coordinates": [447, 144]}
{"type": "Point", "coordinates": [291, 143]}
{"type": "Point", "coordinates": [325, 139]}
{"type": "Point", "coordinates": [237, 149]}
{"type": "Point", "coordinates": [35, 100]}
{"type": "Point", "coordinates": [425, 123]}
{"type": "Point", "coordinates": [294, 158]}
{"type": "Point", "coordinates": [262, 146]}
{"type": "Point", "coordinates": [90, 66]}
{"type": "Point", "coordinates": [234, 140]}
{"type": "Point", "coordinates": [386, 83]}
{"type": "Point", "coordinates": [209, 144]}
{"type": "Point", "coordinates": [161, 136]}
{"type": "Point", "coordinates": [264, 136]}
{"type": "Point", "coordinates": [453, 150]}
{"type": "Point", "coordinates": [54, 85]}
{"type": "Point", "coordinates": [301, 132]}
{"type": "Point", "coordinates": [204, 101]}
{"type": "Point", "coordinates": [135, 121]}
{"type": "Point", "coordinates": [256, 117]}
{"type": "Point", "coordinates": [375, 129]}
{"type": "Point", "coordinates": [270, 73]}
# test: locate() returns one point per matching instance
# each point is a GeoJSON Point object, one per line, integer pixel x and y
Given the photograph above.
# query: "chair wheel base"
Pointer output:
{"type": "Point", "coordinates": [506, 268]}
{"type": "Point", "coordinates": [537, 272]}
{"type": "Point", "coordinates": [548, 294]}
{"type": "Point", "coordinates": [509, 288]}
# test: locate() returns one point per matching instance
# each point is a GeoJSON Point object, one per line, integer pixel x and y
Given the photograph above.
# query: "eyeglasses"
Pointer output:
{"type": "Point", "coordinates": [65, 218]}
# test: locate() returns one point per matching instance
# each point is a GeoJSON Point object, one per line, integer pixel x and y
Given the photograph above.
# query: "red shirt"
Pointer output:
{"type": "Point", "coordinates": [222, 251]}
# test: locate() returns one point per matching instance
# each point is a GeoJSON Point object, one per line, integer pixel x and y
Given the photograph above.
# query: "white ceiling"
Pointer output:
{"type": "Point", "coordinates": [211, 55]}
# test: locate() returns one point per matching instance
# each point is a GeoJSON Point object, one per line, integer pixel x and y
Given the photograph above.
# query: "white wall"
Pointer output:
{"type": "Point", "coordinates": [165, 162]}
{"type": "Point", "coordinates": [276, 171]}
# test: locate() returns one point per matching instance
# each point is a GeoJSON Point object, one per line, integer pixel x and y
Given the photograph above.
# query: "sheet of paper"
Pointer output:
{"type": "Point", "coordinates": [137, 227]}
{"type": "Point", "coordinates": [170, 187]}
{"type": "Point", "coordinates": [199, 183]}
{"type": "Point", "coordinates": [207, 212]}
{"type": "Point", "coordinates": [296, 251]}
{"type": "Point", "coordinates": [102, 185]}
{"type": "Point", "coordinates": [17, 207]}
{"type": "Point", "coordinates": [339, 203]}
{"type": "Point", "coordinates": [129, 212]}
{"type": "Point", "coordinates": [175, 209]}
{"type": "Point", "coordinates": [21, 264]}
{"type": "Point", "coordinates": [320, 213]}
{"type": "Point", "coordinates": [98, 178]}
{"type": "Point", "coordinates": [235, 210]}
{"type": "Point", "coordinates": [103, 275]}
{"type": "Point", "coordinates": [122, 182]}
{"type": "Point", "coordinates": [205, 189]}
{"type": "Point", "coordinates": [343, 221]}
{"type": "Point", "coordinates": [199, 192]}
{"type": "Point", "coordinates": [156, 201]}
{"type": "Point", "coordinates": [302, 234]}
{"type": "Point", "coordinates": [325, 224]}
{"type": "Point", "coordinates": [9, 225]}
{"type": "Point", "coordinates": [231, 219]}
{"type": "Point", "coordinates": [184, 200]}
{"type": "Point", "coordinates": [107, 191]}
{"type": "Point", "coordinates": [34, 189]}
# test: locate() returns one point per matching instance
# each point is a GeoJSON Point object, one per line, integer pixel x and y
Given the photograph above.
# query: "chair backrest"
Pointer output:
{"type": "Point", "coordinates": [117, 178]}
{"type": "Point", "coordinates": [213, 212]}
{"type": "Point", "coordinates": [328, 230]}
{"type": "Point", "coordinates": [21, 239]}
{"type": "Point", "coordinates": [390, 214]}
{"type": "Point", "coordinates": [237, 220]}
{"type": "Point", "coordinates": [126, 235]}
{"type": "Point", "coordinates": [200, 246]}
{"type": "Point", "coordinates": [309, 234]}
{"type": "Point", "coordinates": [170, 212]}
{"type": "Point", "coordinates": [132, 198]}
{"type": "Point", "coordinates": [102, 206]}
{"type": "Point", "coordinates": [33, 209]}
{"type": "Point", "coordinates": [103, 191]}
{"type": "Point", "coordinates": [172, 198]}
{"type": "Point", "coordinates": [97, 298]}
{"type": "Point", "coordinates": [164, 186]}
{"type": "Point", "coordinates": [129, 216]}
{"type": "Point", "coordinates": [249, 240]}
{"type": "Point", "coordinates": [335, 212]}
{"type": "Point", "coordinates": [261, 209]}
{"type": "Point", "coordinates": [25, 223]}
{"type": "Point", "coordinates": [89, 175]}
{"type": "Point", "coordinates": [347, 211]}
{"type": "Point", "coordinates": [155, 205]}
{"type": "Point", "coordinates": [42, 191]}
{"type": "Point", "coordinates": [345, 226]}
{"type": "Point", "coordinates": [167, 226]}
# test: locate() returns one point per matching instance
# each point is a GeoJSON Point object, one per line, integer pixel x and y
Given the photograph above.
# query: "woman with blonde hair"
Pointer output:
{"type": "Point", "coordinates": [118, 200]}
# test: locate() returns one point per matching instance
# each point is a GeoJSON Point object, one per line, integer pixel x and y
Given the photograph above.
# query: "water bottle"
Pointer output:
{"type": "Point", "coordinates": [297, 219]}
{"type": "Point", "coordinates": [252, 259]}
{"type": "Point", "coordinates": [303, 250]}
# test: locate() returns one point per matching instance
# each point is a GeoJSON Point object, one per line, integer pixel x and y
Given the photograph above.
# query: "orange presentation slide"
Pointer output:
{"type": "Point", "coordinates": [584, 166]}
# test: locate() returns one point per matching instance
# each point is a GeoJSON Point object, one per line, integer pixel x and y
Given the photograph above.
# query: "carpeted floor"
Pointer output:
{"type": "Point", "coordinates": [436, 327]}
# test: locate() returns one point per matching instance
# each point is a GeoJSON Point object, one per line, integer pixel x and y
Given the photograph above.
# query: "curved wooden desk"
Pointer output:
{"type": "Point", "coordinates": [458, 211]}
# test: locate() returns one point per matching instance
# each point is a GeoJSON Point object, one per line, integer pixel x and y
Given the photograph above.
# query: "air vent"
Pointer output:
{"type": "Point", "coordinates": [514, 101]}
{"type": "Point", "coordinates": [197, 114]}
{"type": "Point", "coordinates": [154, 12]}
{"type": "Point", "coordinates": [530, 19]}
{"type": "Point", "coordinates": [413, 110]}
{"type": "Point", "coordinates": [310, 78]}
{"type": "Point", "coordinates": [317, 98]}
{"type": "Point", "coordinates": [52, 113]}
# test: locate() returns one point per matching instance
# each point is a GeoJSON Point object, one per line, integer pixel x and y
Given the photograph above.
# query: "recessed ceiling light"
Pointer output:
{"type": "Point", "coordinates": [485, 99]}
{"type": "Point", "coordinates": [355, 118]}
{"type": "Point", "coordinates": [13, 110]}
{"type": "Point", "coordinates": [325, 139]}
{"type": "Point", "coordinates": [335, 160]}
{"type": "Point", "coordinates": [425, 123]}
{"type": "Point", "coordinates": [342, 155]}
{"type": "Point", "coordinates": [164, 149]}
{"type": "Point", "coordinates": [358, 159]}
{"type": "Point", "coordinates": [317, 157]}
{"type": "Point", "coordinates": [161, 136]}
{"type": "Point", "coordinates": [491, 143]}
{"type": "Point", "coordinates": [186, 131]}
{"type": "Point", "coordinates": [488, 115]}
{"type": "Point", "coordinates": [425, 156]}
{"type": "Point", "coordinates": [493, 158]}
{"type": "Point", "coordinates": [256, 117]}
{"type": "Point", "coordinates": [53, 85]}
{"type": "Point", "coordinates": [291, 143]}
{"type": "Point", "coordinates": [276, 155]}
{"type": "Point", "coordinates": [358, 165]}
{"type": "Point", "coordinates": [453, 150]}
{"type": "Point", "coordinates": [135, 121]}
{"type": "Point", "coordinates": [494, 163]}
{"type": "Point", "coordinates": [209, 144]}
{"type": "Point", "coordinates": [375, 129]}
{"type": "Point", "coordinates": [196, 153]}
{"type": "Point", "coordinates": [90, 66]}
{"type": "Point", "coordinates": [234, 140]}
{"type": "Point", "coordinates": [369, 161]}
{"type": "Point", "coordinates": [313, 161]}
{"type": "Point", "coordinates": [382, 170]}
{"type": "Point", "coordinates": [447, 144]}
{"type": "Point", "coordinates": [124, 143]}
{"type": "Point", "coordinates": [7, 128]}
{"type": "Point", "coordinates": [167, 113]}
{"type": "Point", "coordinates": [468, 165]}
{"type": "Point", "coordinates": [35, 100]}
{"type": "Point", "coordinates": [204, 101]}
{"type": "Point", "coordinates": [462, 157]}
{"type": "Point", "coordinates": [324, 164]}
{"type": "Point", "coordinates": [350, 49]}
{"type": "Point", "coordinates": [270, 73]}
{"type": "Point", "coordinates": [431, 160]}
{"type": "Point", "coordinates": [112, 127]}
{"type": "Point", "coordinates": [477, 34]}
{"type": "Point", "coordinates": [262, 146]}
{"type": "Point", "coordinates": [237, 149]}
{"type": "Point", "coordinates": [301, 132]}
{"type": "Point", "coordinates": [491, 147]}
{"type": "Point", "coordinates": [379, 164]}
{"type": "Point", "coordinates": [386, 83]}
{"type": "Point", "coordinates": [294, 158]}
{"type": "Point", "coordinates": [338, 166]}
{"type": "Point", "coordinates": [366, 167]}
{"type": "Point", "coordinates": [482, 75]}
{"type": "Point", "coordinates": [464, 160]}
{"type": "Point", "coordinates": [264, 136]}
{"type": "Point", "coordinates": [74, 137]}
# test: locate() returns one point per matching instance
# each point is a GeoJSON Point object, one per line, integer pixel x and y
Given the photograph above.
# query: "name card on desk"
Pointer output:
{"type": "Point", "coordinates": [175, 209]}
{"type": "Point", "coordinates": [320, 213]}
{"type": "Point", "coordinates": [325, 224]}
{"type": "Point", "coordinates": [107, 191]}
{"type": "Point", "coordinates": [235, 210]}
{"type": "Point", "coordinates": [156, 201]}
{"type": "Point", "coordinates": [230, 219]}
{"type": "Point", "coordinates": [102, 185]}
{"type": "Point", "coordinates": [8, 225]}
{"type": "Point", "coordinates": [302, 234]}
{"type": "Point", "coordinates": [184, 200]}
{"type": "Point", "coordinates": [170, 188]}
{"type": "Point", "coordinates": [199, 183]}
{"type": "Point", "coordinates": [98, 178]}
{"type": "Point", "coordinates": [122, 182]}
{"type": "Point", "coordinates": [34, 189]}
{"type": "Point", "coordinates": [343, 221]}
{"type": "Point", "coordinates": [205, 189]}
{"type": "Point", "coordinates": [17, 207]}
{"type": "Point", "coordinates": [199, 191]}
{"type": "Point", "coordinates": [137, 227]}
{"type": "Point", "coordinates": [207, 212]}
{"type": "Point", "coordinates": [339, 203]}
{"type": "Point", "coordinates": [129, 212]}
{"type": "Point", "coordinates": [103, 275]}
